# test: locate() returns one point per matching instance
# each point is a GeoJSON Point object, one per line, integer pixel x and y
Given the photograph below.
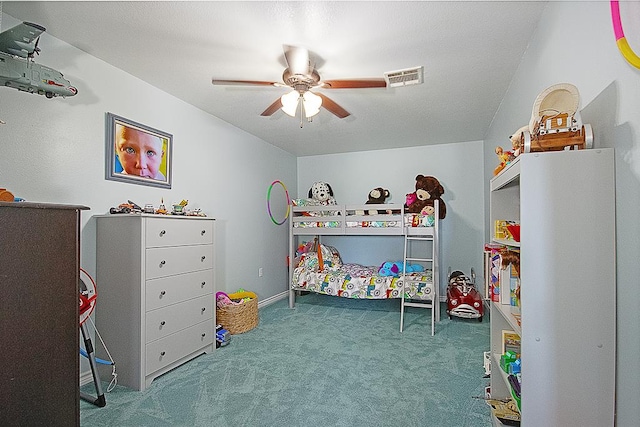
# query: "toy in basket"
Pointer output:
{"type": "Point", "coordinates": [237, 312]}
{"type": "Point", "coordinates": [463, 300]}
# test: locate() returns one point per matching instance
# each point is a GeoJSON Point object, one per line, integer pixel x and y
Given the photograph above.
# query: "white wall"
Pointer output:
{"type": "Point", "coordinates": [575, 43]}
{"type": "Point", "coordinates": [458, 167]}
{"type": "Point", "coordinates": [53, 150]}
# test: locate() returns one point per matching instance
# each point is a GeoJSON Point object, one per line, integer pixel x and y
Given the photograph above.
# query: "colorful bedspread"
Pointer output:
{"type": "Point", "coordinates": [357, 281]}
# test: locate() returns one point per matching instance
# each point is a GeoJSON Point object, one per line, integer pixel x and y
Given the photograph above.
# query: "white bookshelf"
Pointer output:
{"type": "Point", "coordinates": [565, 202]}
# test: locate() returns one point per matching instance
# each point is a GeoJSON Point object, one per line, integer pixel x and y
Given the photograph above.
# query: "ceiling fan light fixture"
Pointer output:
{"type": "Point", "coordinates": [312, 104]}
{"type": "Point", "coordinates": [290, 102]}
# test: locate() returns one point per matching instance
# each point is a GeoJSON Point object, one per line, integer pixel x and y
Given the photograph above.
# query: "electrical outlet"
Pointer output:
{"type": "Point", "coordinates": [260, 272]}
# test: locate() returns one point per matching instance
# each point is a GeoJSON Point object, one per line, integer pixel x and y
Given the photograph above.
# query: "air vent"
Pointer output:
{"type": "Point", "coordinates": [406, 77]}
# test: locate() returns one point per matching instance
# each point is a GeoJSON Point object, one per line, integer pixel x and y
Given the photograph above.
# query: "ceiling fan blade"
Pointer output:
{"type": "Point", "coordinates": [277, 104]}
{"type": "Point", "coordinates": [332, 107]}
{"type": "Point", "coordinates": [297, 60]}
{"type": "Point", "coordinates": [353, 84]}
{"type": "Point", "coordinates": [242, 82]}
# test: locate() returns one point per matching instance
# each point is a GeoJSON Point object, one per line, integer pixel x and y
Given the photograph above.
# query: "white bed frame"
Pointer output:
{"type": "Point", "coordinates": [342, 215]}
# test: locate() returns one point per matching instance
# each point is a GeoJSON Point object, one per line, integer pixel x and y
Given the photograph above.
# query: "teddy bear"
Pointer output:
{"type": "Point", "coordinates": [377, 196]}
{"type": "Point", "coordinates": [517, 140]}
{"type": "Point", "coordinates": [428, 189]}
{"type": "Point", "coordinates": [322, 193]}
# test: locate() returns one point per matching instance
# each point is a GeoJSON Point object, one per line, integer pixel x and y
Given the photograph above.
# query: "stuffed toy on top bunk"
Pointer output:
{"type": "Point", "coordinates": [422, 201]}
{"type": "Point", "coordinates": [377, 196]}
{"type": "Point", "coordinates": [320, 194]}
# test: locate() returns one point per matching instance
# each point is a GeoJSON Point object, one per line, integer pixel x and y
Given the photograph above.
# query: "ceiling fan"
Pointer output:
{"type": "Point", "coordinates": [302, 76]}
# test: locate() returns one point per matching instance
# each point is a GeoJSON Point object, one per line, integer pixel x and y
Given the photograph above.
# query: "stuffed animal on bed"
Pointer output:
{"type": "Point", "coordinates": [322, 193]}
{"type": "Point", "coordinates": [428, 189]}
{"type": "Point", "coordinates": [377, 196]}
{"type": "Point", "coordinates": [396, 268]}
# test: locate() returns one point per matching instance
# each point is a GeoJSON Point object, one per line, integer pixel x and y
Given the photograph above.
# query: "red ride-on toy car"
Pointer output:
{"type": "Point", "coordinates": [463, 299]}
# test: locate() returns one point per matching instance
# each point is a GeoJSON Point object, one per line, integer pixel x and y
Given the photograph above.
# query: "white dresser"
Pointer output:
{"type": "Point", "coordinates": [155, 280]}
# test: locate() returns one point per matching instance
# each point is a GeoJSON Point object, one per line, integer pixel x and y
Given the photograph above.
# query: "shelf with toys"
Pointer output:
{"type": "Point", "coordinates": [567, 269]}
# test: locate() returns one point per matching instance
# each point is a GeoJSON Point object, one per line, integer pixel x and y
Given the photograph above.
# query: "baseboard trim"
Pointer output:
{"type": "Point", "coordinates": [272, 299]}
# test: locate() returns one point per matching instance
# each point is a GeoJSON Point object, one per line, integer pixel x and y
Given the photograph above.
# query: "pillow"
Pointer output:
{"type": "Point", "coordinates": [330, 259]}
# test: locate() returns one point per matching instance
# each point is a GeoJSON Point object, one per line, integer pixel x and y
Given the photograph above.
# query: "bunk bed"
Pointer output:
{"type": "Point", "coordinates": [413, 288]}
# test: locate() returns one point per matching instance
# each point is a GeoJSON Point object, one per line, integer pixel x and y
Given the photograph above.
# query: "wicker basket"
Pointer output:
{"type": "Point", "coordinates": [238, 318]}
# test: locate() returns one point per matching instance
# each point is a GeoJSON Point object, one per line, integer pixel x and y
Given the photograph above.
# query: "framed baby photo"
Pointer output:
{"type": "Point", "coordinates": [137, 154]}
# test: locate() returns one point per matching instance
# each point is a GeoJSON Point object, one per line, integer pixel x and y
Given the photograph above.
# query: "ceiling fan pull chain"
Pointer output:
{"type": "Point", "coordinates": [301, 111]}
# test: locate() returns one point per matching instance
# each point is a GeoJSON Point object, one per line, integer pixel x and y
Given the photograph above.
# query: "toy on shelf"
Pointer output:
{"type": "Point", "coordinates": [516, 145]}
{"type": "Point", "coordinates": [555, 123]}
{"type": "Point", "coordinates": [463, 299]}
{"type": "Point", "coordinates": [507, 231]}
{"type": "Point", "coordinates": [505, 157]}
{"type": "Point", "coordinates": [506, 411]}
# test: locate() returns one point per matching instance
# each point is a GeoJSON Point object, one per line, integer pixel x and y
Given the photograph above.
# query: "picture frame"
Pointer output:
{"type": "Point", "coordinates": [137, 153]}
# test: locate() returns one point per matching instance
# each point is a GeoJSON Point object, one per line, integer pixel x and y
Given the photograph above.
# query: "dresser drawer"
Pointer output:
{"type": "Point", "coordinates": [178, 232]}
{"type": "Point", "coordinates": [161, 262]}
{"type": "Point", "coordinates": [167, 320]}
{"type": "Point", "coordinates": [170, 290]}
{"type": "Point", "coordinates": [167, 350]}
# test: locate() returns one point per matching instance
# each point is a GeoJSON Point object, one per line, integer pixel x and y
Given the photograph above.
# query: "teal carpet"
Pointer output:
{"type": "Point", "coordinates": [329, 362]}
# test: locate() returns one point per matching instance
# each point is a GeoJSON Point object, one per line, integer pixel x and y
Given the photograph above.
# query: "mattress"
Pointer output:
{"type": "Point", "coordinates": [357, 281]}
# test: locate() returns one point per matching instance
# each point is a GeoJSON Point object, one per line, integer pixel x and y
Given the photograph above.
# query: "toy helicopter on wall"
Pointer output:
{"type": "Point", "coordinates": [18, 70]}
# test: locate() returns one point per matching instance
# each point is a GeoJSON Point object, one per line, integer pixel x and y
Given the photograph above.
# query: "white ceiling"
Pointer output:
{"type": "Point", "coordinates": [469, 50]}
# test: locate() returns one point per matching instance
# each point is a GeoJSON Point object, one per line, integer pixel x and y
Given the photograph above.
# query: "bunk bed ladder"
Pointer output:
{"type": "Point", "coordinates": [432, 262]}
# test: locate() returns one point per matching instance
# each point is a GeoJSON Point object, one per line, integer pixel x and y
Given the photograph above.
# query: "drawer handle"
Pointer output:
{"type": "Point", "coordinates": [163, 293]}
{"type": "Point", "coordinates": [204, 309]}
{"type": "Point", "coordinates": [202, 232]}
{"type": "Point", "coordinates": [162, 263]}
{"type": "Point", "coordinates": [162, 233]}
{"type": "Point", "coordinates": [202, 285]}
{"type": "Point", "coordinates": [204, 335]}
{"type": "Point", "coordinates": [203, 258]}
{"type": "Point", "coordinates": [162, 353]}
{"type": "Point", "coordinates": [163, 323]}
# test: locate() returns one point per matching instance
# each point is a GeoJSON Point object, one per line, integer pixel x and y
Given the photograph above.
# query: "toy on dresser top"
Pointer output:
{"type": "Point", "coordinates": [178, 208]}
{"type": "Point", "coordinates": [6, 195]}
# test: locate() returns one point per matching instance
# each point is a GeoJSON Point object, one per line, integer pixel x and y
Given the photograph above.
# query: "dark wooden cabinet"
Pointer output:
{"type": "Point", "coordinates": [39, 341]}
